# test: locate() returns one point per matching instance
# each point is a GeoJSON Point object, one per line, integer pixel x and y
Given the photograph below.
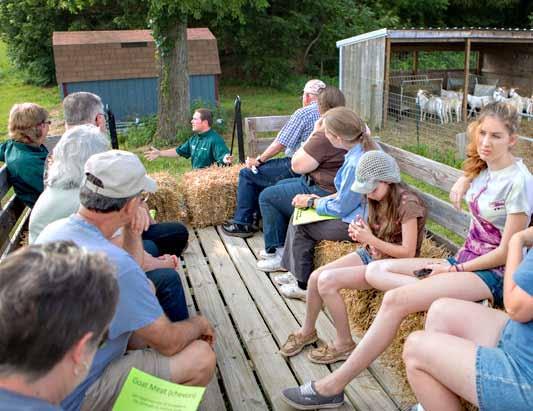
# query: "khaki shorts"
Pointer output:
{"type": "Point", "coordinates": [102, 394]}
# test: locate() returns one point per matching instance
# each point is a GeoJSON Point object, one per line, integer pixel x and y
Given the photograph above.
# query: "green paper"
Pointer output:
{"type": "Point", "coordinates": [144, 392]}
{"type": "Point", "coordinates": [309, 215]}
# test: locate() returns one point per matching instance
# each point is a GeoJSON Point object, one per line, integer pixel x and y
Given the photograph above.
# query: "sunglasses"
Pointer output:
{"type": "Point", "coordinates": [47, 122]}
{"type": "Point", "coordinates": [103, 339]}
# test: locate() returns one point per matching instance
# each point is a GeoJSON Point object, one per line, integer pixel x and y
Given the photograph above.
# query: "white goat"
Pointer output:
{"type": "Point", "coordinates": [477, 102]}
{"type": "Point", "coordinates": [524, 101]}
{"type": "Point", "coordinates": [516, 100]}
{"type": "Point", "coordinates": [429, 104]}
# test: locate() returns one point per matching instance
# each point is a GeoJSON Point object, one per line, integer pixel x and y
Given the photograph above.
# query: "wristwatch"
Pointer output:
{"type": "Point", "coordinates": [258, 159]}
{"type": "Point", "coordinates": [310, 202]}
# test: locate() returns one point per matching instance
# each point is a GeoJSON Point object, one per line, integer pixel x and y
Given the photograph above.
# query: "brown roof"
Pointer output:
{"type": "Point", "coordinates": [107, 55]}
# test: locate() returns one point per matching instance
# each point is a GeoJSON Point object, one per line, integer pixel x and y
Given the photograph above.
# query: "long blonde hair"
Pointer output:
{"type": "Point", "coordinates": [349, 127]}
{"type": "Point", "coordinates": [504, 112]}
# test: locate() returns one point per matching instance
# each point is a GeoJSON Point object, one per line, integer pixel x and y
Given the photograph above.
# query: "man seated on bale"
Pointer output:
{"type": "Point", "coordinates": [159, 239]}
{"type": "Point", "coordinates": [263, 171]}
{"type": "Point", "coordinates": [205, 147]}
{"type": "Point", "coordinates": [57, 301]}
{"type": "Point", "coordinates": [111, 196]}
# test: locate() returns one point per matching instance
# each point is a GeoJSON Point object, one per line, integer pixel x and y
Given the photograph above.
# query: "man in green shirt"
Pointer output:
{"type": "Point", "coordinates": [205, 147]}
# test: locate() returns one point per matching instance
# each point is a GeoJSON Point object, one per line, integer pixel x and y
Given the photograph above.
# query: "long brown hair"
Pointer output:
{"type": "Point", "coordinates": [384, 215]}
{"type": "Point", "coordinates": [329, 98]}
{"type": "Point", "coordinates": [504, 112]}
{"type": "Point", "coordinates": [349, 127]}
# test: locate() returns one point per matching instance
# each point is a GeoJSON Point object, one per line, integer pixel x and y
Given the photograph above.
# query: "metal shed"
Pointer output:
{"type": "Point", "coordinates": [365, 75]}
{"type": "Point", "coordinates": [120, 66]}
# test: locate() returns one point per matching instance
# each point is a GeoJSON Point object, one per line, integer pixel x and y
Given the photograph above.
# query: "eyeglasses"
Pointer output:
{"type": "Point", "coordinates": [48, 122]}
{"type": "Point", "coordinates": [103, 338]}
{"type": "Point", "coordinates": [144, 196]}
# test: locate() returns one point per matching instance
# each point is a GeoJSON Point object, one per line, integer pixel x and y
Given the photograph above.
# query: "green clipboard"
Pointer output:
{"type": "Point", "coordinates": [309, 215]}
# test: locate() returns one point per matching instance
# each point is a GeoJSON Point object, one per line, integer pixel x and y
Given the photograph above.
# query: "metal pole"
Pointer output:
{"type": "Point", "coordinates": [112, 127]}
{"type": "Point", "coordinates": [240, 134]}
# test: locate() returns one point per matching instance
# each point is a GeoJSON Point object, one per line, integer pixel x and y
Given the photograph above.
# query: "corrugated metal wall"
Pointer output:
{"type": "Point", "coordinates": [362, 78]}
{"type": "Point", "coordinates": [132, 98]}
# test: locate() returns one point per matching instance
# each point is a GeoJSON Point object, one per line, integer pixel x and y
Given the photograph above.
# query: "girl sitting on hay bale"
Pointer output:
{"type": "Point", "coordinates": [396, 220]}
{"type": "Point", "coordinates": [491, 349]}
{"type": "Point", "coordinates": [344, 129]}
{"type": "Point", "coordinates": [500, 201]}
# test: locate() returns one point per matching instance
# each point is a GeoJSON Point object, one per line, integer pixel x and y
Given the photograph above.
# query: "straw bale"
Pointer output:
{"type": "Point", "coordinates": [327, 251]}
{"type": "Point", "coordinates": [167, 200]}
{"type": "Point", "coordinates": [210, 194]}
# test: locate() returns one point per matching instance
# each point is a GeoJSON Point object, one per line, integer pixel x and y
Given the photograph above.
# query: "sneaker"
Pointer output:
{"type": "Point", "coordinates": [286, 278]}
{"type": "Point", "coordinates": [271, 264]}
{"type": "Point", "coordinates": [305, 397]}
{"type": "Point", "coordinates": [293, 291]}
{"type": "Point", "coordinates": [415, 407]}
{"type": "Point", "coordinates": [264, 254]}
{"type": "Point", "coordinates": [238, 230]}
{"type": "Point", "coordinates": [296, 343]}
{"type": "Point", "coordinates": [328, 354]}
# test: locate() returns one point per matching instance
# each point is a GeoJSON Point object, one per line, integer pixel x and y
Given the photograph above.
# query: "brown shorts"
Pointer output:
{"type": "Point", "coordinates": [103, 393]}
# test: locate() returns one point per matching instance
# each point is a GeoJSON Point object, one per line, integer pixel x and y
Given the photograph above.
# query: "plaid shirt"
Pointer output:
{"type": "Point", "coordinates": [298, 128]}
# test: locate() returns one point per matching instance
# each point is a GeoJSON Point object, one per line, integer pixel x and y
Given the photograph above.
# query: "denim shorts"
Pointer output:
{"type": "Point", "coordinates": [502, 383]}
{"type": "Point", "coordinates": [364, 255]}
{"type": "Point", "coordinates": [492, 279]}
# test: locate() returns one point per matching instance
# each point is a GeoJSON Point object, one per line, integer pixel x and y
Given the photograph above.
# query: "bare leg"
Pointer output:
{"type": "Point", "coordinates": [194, 365]}
{"type": "Point", "coordinates": [454, 329]}
{"type": "Point", "coordinates": [314, 300]}
{"type": "Point", "coordinates": [330, 283]}
{"type": "Point", "coordinates": [387, 274]}
{"type": "Point", "coordinates": [397, 304]}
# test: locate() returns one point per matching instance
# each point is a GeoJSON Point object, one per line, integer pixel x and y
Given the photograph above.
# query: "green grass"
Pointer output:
{"type": "Point", "coordinates": [14, 91]}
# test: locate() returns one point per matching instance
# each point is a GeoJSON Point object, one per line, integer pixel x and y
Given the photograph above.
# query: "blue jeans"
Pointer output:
{"type": "Point", "coordinates": [251, 185]}
{"type": "Point", "coordinates": [167, 238]}
{"type": "Point", "coordinates": [276, 208]}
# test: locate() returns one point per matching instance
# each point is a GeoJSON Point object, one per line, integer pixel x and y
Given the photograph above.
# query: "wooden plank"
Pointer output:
{"type": "Point", "coordinates": [270, 367]}
{"type": "Point", "coordinates": [213, 399]}
{"type": "Point", "coordinates": [262, 143]}
{"type": "Point", "coordinates": [424, 169]}
{"type": "Point", "coordinates": [4, 184]}
{"type": "Point", "coordinates": [282, 322]}
{"type": "Point", "coordinates": [466, 78]}
{"type": "Point", "coordinates": [238, 378]}
{"type": "Point", "coordinates": [9, 216]}
{"type": "Point", "coordinates": [374, 389]}
{"type": "Point", "coordinates": [11, 244]}
{"type": "Point", "coordinates": [251, 137]}
{"type": "Point", "coordinates": [267, 123]}
{"type": "Point", "coordinates": [386, 80]}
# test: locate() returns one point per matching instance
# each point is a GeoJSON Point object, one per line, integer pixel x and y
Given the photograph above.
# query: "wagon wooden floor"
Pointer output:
{"type": "Point", "coordinates": [252, 320]}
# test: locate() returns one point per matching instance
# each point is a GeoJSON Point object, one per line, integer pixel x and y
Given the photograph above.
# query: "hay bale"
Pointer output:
{"type": "Point", "coordinates": [362, 307]}
{"type": "Point", "coordinates": [210, 194]}
{"type": "Point", "coordinates": [167, 200]}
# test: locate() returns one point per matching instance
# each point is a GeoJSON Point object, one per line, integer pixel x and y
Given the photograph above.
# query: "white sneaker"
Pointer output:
{"type": "Point", "coordinates": [293, 291]}
{"type": "Point", "coordinates": [271, 264]}
{"type": "Point", "coordinates": [264, 255]}
{"type": "Point", "coordinates": [286, 278]}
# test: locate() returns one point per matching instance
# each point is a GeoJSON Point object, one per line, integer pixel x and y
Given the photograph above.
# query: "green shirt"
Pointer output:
{"type": "Point", "coordinates": [25, 165]}
{"type": "Point", "coordinates": [204, 149]}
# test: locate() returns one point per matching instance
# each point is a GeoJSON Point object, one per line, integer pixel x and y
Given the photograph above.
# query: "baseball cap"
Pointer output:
{"type": "Point", "coordinates": [121, 173]}
{"type": "Point", "coordinates": [314, 86]}
{"type": "Point", "coordinates": [375, 166]}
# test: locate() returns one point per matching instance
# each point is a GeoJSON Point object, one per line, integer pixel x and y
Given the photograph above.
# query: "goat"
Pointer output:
{"type": "Point", "coordinates": [524, 101]}
{"type": "Point", "coordinates": [515, 100]}
{"type": "Point", "coordinates": [429, 104]}
{"type": "Point", "coordinates": [476, 102]}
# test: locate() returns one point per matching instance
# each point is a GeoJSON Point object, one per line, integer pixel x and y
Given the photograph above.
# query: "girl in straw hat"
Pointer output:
{"type": "Point", "coordinates": [395, 229]}
{"type": "Point", "coordinates": [500, 200]}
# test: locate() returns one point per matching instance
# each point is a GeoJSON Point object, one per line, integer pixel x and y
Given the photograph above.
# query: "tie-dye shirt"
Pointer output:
{"type": "Point", "coordinates": [491, 197]}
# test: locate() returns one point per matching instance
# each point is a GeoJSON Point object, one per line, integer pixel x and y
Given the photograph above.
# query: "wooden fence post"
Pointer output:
{"type": "Point", "coordinates": [460, 143]}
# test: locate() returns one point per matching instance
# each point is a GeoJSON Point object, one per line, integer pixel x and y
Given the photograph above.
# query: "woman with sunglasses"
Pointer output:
{"type": "Point", "coordinates": [24, 153]}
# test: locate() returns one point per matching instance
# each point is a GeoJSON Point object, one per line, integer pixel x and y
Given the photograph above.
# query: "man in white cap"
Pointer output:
{"type": "Point", "coordinates": [111, 196]}
{"type": "Point", "coordinates": [263, 171]}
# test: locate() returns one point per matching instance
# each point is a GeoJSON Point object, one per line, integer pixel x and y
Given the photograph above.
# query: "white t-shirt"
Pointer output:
{"type": "Point", "coordinates": [53, 204]}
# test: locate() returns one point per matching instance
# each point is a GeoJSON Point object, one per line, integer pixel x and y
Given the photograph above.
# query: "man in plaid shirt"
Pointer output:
{"type": "Point", "coordinates": [263, 171]}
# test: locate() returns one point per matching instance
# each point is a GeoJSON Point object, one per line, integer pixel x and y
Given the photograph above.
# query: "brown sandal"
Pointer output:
{"type": "Point", "coordinates": [328, 354]}
{"type": "Point", "coordinates": [295, 343]}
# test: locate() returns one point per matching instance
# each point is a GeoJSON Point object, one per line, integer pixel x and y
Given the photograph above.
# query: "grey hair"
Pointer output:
{"type": "Point", "coordinates": [72, 152]}
{"type": "Point", "coordinates": [99, 203]}
{"type": "Point", "coordinates": [82, 108]}
{"type": "Point", "coordinates": [52, 296]}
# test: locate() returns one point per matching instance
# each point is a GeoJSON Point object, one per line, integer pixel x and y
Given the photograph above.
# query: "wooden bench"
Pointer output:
{"type": "Point", "coordinates": [421, 168]}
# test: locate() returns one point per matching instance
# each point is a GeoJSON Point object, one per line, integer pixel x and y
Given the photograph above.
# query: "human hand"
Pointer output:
{"type": "Point", "coordinates": [140, 221]}
{"type": "Point", "coordinates": [207, 332]}
{"type": "Point", "coordinates": [228, 159]}
{"type": "Point", "coordinates": [438, 268]}
{"type": "Point", "coordinates": [459, 190]}
{"type": "Point", "coordinates": [375, 253]}
{"type": "Point", "coordinates": [359, 231]}
{"type": "Point", "coordinates": [251, 162]}
{"type": "Point", "coordinates": [300, 200]}
{"type": "Point", "coordinates": [169, 261]}
{"type": "Point", "coordinates": [152, 154]}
